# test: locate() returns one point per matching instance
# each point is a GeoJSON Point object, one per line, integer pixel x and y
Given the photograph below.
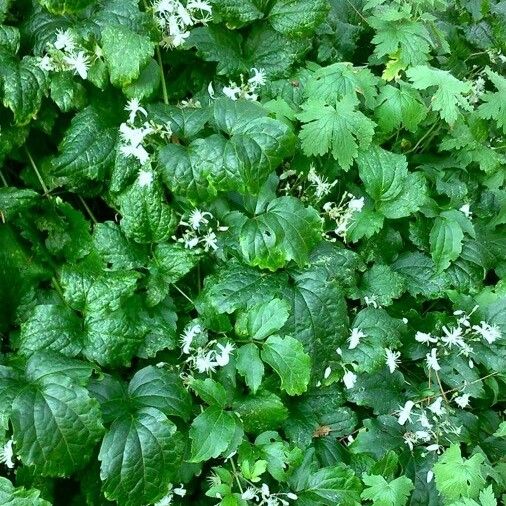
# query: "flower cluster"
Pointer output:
{"type": "Point", "coordinates": [342, 213]}
{"type": "Point", "coordinates": [176, 19]}
{"type": "Point", "coordinates": [264, 497]}
{"type": "Point", "coordinates": [246, 90]}
{"type": "Point", "coordinates": [204, 356]}
{"type": "Point", "coordinates": [459, 337]}
{"type": "Point", "coordinates": [167, 499]}
{"type": "Point", "coordinates": [199, 229]}
{"type": "Point", "coordinates": [133, 137]}
{"type": "Point", "coordinates": [65, 55]}
{"type": "Point", "coordinates": [7, 454]}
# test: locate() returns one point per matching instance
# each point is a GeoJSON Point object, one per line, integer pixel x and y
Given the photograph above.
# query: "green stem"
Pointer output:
{"type": "Point", "coordinates": [236, 475]}
{"type": "Point", "coordinates": [183, 294]}
{"type": "Point", "coordinates": [429, 131]}
{"type": "Point", "coordinates": [88, 210]}
{"type": "Point", "coordinates": [37, 173]}
{"type": "Point", "coordinates": [2, 177]}
{"type": "Point", "coordinates": [162, 75]}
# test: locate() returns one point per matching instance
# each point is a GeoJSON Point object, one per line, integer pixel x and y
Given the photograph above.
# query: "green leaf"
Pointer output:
{"type": "Point", "coordinates": [287, 357]}
{"type": "Point", "coordinates": [340, 130]}
{"type": "Point", "coordinates": [66, 92]}
{"type": "Point", "coordinates": [210, 391]}
{"type": "Point", "coordinates": [9, 38]}
{"type": "Point", "coordinates": [23, 84]}
{"type": "Point", "coordinates": [446, 238]}
{"type": "Point", "coordinates": [56, 424]}
{"type": "Point", "coordinates": [494, 104]}
{"type": "Point", "coordinates": [382, 283]}
{"type": "Point", "coordinates": [88, 148]}
{"type": "Point", "coordinates": [261, 412]}
{"type": "Point", "coordinates": [297, 18]}
{"type": "Point", "coordinates": [136, 457]}
{"type": "Point", "coordinates": [384, 493]}
{"type": "Point", "coordinates": [211, 433]}
{"type": "Point", "coordinates": [285, 231]}
{"type": "Point", "coordinates": [262, 320]}
{"type": "Point", "coordinates": [19, 496]}
{"type": "Point", "coordinates": [249, 365]}
{"type": "Point", "coordinates": [457, 477]}
{"type": "Point", "coordinates": [64, 6]}
{"type": "Point", "coordinates": [51, 327]}
{"type": "Point", "coordinates": [396, 192]}
{"type": "Point", "coordinates": [399, 106]}
{"type": "Point", "coordinates": [146, 217]}
{"type": "Point", "coordinates": [448, 98]}
{"type": "Point", "coordinates": [501, 431]}
{"type": "Point", "coordinates": [421, 277]}
{"type": "Point", "coordinates": [236, 14]}
{"type": "Point", "coordinates": [153, 387]}
{"type": "Point", "coordinates": [146, 85]}
{"type": "Point", "coordinates": [126, 53]}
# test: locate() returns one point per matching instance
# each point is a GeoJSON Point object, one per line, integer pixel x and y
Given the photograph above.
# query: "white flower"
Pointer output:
{"type": "Point", "coordinates": [327, 372]}
{"type": "Point", "coordinates": [462, 401]}
{"type": "Point", "coordinates": [205, 362]}
{"type": "Point", "coordinates": [184, 15]}
{"type": "Point", "coordinates": [188, 336]}
{"type": "Point", "coordinates": [392, 359]}
{"type": "Point", "coordinates": [232, 91]}
{"type": "Point", "coordinates": [210, 241]}
{"type": "Point", "coordinates": [136, 151]}
{"type": "Point", "coordinates": [210, 90]}
{"type": "Point", "coordinates": [224, 357]}
{"type": "Point", "coordinates": [165, 500]}
{"type": "Point", "coordinates": [354, 339]}
{"type": "Point", "coordinates": [199, 5]}
{"type": "Point", "coordinates": [405, 413]}
{"type": "Point", "coordinates": [292, 496]}
{"type": "Point", "coordinates": [265, 490]}
{"type": "Point", "coordinates": [145, 178]}
{"type": "Point", "coordinates": [466, 210]}
{"type": "Point", "coordinates": [249, 494]}
{"type": "Point", "coordinates": [432, 362]}
{"type": "Point", "coordinates": [424, 421]}
{"type": "Point", "coordinates": [46, 63]}
{"type": "Point", "coordinates": [423, 435]}
{"type": "Point", "coordinates": [371, 301]}
{"type": "Point", "coordinates": [79, 62]}
{"type": "Point", "coordinates": [198, 218]}
{"type": "Point", "coordinates": [7, 454]}
{"type": "Point", "coordinates": [349, 379]}
{"type": "Point", "coordinates": [132, 136]}
{"type": "Point", "coordinates": [433, 448]}
{"type": "Point", "coordinates": [490, 333]}
{"type": "Point", "coordinates": [190, 240]}
{"type": "Point", "coordinates": [134, 106]}
{"type": "Point", "coordinates": [180, 491]}
{"type": "Point", "coordinates": [424, 338]}
{"type": "Point", "coordinates": [64, 40]}
{"type": "Point", "coordinates": [453, 337]}
{"type": "Point", "coordinates": [322, 186]}
{"type": "Point", "coordinates": [258, 79]}
{"type": "Point", "coordinates": [430, 475]}
{"type": "Point", "coordinates": [356, 205]}
{"type": "Point", "coordinates": [410, 439]}
{"type": "Point", "coordinates": [164, 6]}
{"type": "Point", "coordinates": [436, 407]}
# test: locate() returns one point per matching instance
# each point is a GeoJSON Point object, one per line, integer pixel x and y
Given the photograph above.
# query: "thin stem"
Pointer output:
{"type": "Point", "coordinates": [357, 11]}
{"type": "Point", "coordinates": [2, 177]}
{"type": "Point", "coordinates": [236, 476]}
{"type": "Point", "coordinates": [427, 133]}
{"type": "Point", "coordinates": [37, 173]}
{"type": "Point", "coordinates": [88, 210]}
{"type": "Point", "coordinates": [162, 75]}
{"type": "Point", "coordinates": [182, 293]}
{"type": "Point", "coordinates": [441, 386]}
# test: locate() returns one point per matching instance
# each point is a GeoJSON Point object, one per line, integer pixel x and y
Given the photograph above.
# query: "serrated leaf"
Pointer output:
{"type": "Point", "coordinates": [448, 99]}
{"type": "Point", "coordinates": [23, 85]}
{"type": "Point", "coordinates": [458, 477]}
{"type": "Point", "coordinates": [146, 217]}
{"type": "Point", "coordinates": [287, 357]}
{"type": "Point", "coordinates": [249, 365]}
{"type": "Point", "coordinates": [384, 493]}
{"type": "Point", "coordinates": [65, 6]}
{"type": "Point", "coordinates": [297, 18]}
{"type": "Point", "coordinates": [262, 320]}
{"type": "Point", "coordinates": [285, 231]}
{"type": "Point", "coordinates": [126, 53]}
{"type": "Point", "coordinates": [135, 457]}
{"type": "Point", "coordinates": [19, 496]}
{"type": "Point", "coordinates": [382, 284]}
{"type": "Point", "coordinates": [88, 148]}
{"type": "Point", "coordinates": [236, 14]}
{"type": "Point", "coordinates": [51, 327]}
{"type": "Point", "coordinates": [261, 412]}
{"type": "Point", "coordinates": [211, 433]}
{"type": "Point", "coordinates": [9, 38]}
{"type": "Point", "coordinates": [446, 238]}
{"type": "Point", "coordinates": [494, 104]}
{"type": "Point", "coordinates": [340, 130]}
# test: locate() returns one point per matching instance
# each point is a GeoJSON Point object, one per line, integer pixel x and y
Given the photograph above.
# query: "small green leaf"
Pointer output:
{"type": "Point", "coordinates": [262, 320]}
{"type": "Point", "coordinates": [458, 477]}
{"type": "Point", "coordinates": [287, 357]}
{"type": "Point", "coordinates": [297, 17]}
{"type": "Point", "coordinates": [126, 53]}
{"type": "Point", "coordinates": [19, 496]}
{"type": "Point", "coordinates": [65, 6]}
{"type": "Point", "coordinates": [446, 238]}
{"type": "Point", "coordinates": [210, 391]}
{"type": "Point", "coordinates": [261, 412]}
{"type": "Point", "coordinates": [211, 433]}
{"type": "Point", "coordinates": [384, 493]}
{"type": "Point", "coordinates": [382, 284]}
{"type": "Point", "coordinates": [249, 365]}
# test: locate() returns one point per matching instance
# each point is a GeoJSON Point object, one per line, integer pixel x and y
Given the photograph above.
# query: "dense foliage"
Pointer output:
{"type": "Point", "coordinates": [251, 252]}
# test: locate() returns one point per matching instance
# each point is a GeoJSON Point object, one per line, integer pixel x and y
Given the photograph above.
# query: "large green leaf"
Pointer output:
{"type": "Point", "coordinates": [11, 496]}
{"type": "Point", "coordinates": [297, 17]}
